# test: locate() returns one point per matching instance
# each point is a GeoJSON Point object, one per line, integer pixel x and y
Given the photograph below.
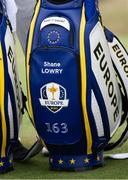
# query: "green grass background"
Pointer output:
{"type": "Point", "coordinates": [115, 15]}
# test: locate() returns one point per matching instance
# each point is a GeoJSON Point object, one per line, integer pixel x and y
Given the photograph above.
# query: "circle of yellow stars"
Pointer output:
{"type": "Point", "coordinates": [50, 35]}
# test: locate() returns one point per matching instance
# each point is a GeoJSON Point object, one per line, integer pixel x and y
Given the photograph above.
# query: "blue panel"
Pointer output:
{"type": "Point", "coordinates": [90, 8]}
{"type": "Point", "coordinates": [69, 79]}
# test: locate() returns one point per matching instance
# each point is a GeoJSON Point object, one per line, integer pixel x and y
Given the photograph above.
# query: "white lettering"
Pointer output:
{"type": "Point", "coordinates": [48, 64]}
{"type": "Point", "coordinates": [62, 103]}
{"type": "Point", "coordinates": [52, 71]}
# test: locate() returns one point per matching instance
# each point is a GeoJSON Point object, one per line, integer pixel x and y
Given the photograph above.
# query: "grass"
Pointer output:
{"type": "Point", "coordinates": [38, 168]}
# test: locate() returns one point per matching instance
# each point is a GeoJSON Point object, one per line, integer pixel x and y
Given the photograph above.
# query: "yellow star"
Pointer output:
{"type": "Point", "coordinates": [98, 158]}
{"type": "Point", "coordinates": [86, 160]}
{"type": "Point", "coordinates": [60, 161]}
{"type": "Point", "coordinates": [72, 161]}
{"type": "Point", "coordinates": [1, 164]}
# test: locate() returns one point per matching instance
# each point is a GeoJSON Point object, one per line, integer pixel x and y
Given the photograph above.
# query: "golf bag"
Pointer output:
{"type": "Point", "coordinates": [11, 106]}
{"type": "Point", "coordinates": [119, 58]}
{"type": "Point", "coordinates": [74, 97]}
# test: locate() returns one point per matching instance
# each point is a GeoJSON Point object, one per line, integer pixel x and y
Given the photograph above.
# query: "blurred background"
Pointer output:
{"type": "Point", "coordinates": [115, 16]}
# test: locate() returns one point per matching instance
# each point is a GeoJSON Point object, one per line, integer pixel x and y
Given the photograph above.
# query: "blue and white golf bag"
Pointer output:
{"type": "Point", "coordinates": [119, 58]}
{"type": "Point", "coordinates": [75, 101]}
{"type": "Point", "coordinates": [11, 105]}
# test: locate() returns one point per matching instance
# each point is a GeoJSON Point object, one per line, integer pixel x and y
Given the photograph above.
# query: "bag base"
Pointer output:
{"type": "Point", "coordinates": [76, 163]}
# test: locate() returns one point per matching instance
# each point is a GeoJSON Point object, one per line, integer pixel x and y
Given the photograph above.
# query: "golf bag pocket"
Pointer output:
{"type": "Point", "coordinates": [56, 31]}
{"type": "Point", "coordinates": [56, 93]}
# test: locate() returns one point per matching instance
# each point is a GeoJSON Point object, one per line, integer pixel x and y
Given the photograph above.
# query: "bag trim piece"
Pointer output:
{"type": "Point", "coordinates": [3, 122]}
{"type": "Point", "coordinates": [84, 84]}
{"type": "Point", "coordinates": [28, 55]}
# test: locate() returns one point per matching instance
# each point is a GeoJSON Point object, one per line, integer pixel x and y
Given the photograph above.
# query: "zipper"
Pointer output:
{"type": "Point", "coordinates": [55, 47]}
{"type": "Point", "coordinates": [47, 48]}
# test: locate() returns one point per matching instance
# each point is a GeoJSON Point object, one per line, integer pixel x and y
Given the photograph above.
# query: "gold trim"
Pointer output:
{"type": "Point", "coordinates": [84, 83]}
{"type": "Point", "coordinates": [2, 110]}
{"type": "Point", "coordinates": [30, 39]}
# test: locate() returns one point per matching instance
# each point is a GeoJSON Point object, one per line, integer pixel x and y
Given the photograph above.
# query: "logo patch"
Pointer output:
{"type": "Point", "coordinates": [54, 97]}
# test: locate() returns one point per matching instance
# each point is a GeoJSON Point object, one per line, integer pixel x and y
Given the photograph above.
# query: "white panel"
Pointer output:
{"type": "Point", "coordinates": [56, 20]}
{"type": "Point", "coordinates": [12, 67]}
{"type": "Point", "coordinates": [10, 113]}
{"type": "Point", "coordinates": [97, 37]}
{"type": "Point", "coordinates": [97, 115]}
{"type": "Point", "coordinates": [120, 59]}
{"type": "Point", "coordinates": [11, 11]}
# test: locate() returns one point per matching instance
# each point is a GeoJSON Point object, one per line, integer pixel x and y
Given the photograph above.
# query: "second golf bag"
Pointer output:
{"type": "Point", "coordinates": [11, 105]}
{"type": "Point", "coordinates": [74, 98]}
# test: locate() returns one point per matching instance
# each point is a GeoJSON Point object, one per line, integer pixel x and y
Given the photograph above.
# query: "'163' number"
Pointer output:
{"type": "Point", "coordinates": [57, 128]}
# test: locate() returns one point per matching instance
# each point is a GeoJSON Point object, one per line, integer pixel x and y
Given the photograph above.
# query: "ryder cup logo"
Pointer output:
{"type": "Point", "coordinates": [54, 97]}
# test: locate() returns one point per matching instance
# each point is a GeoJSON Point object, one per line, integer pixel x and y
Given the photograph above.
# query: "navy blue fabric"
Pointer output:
{"type": "Point", "coordinates": [3, 8]}
{"type": "Point", "coordinates": [80, 162]}
{"type": "Point", "coordinates": [70, 81]}
{"type": "Point", "coordinates": [68, 11]}
{"type": "Point", "coordinates": [55, 35]}
{"type": "Point", "coordinates": [7, 165]}
{"type": "Point", "coordinates": [39, 55]}
{"type": "Point", "coordinates": [73, 4]}
{"type": "Point", "coordinates": [47, 47]}
{"type": "Point", "coordinates": [109, 35]}
{"type": "Point", "coordinates": [90, 8]}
